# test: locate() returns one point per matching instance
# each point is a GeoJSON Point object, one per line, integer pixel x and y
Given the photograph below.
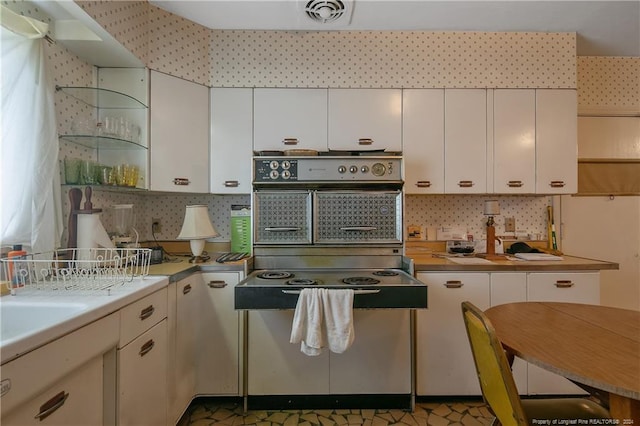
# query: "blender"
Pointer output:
{"type": "Point", "coordinates": [123, 222]}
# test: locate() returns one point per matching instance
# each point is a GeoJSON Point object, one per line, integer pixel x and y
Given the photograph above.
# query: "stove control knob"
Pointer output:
{"type": "Point", "coordinates": [364, 169]}
{"type": "Point", "coordinates": [274, 174]}
{"type": "Point", "coordinates": [286, 174]}
{"type": "Point", "coordinates": [274, 165]}
{"type": "Point", "coordinates": [286, 164]}
{"type": "Point", "coordinates": [378, 169]}
{"type": "Point", "coordinates": [353, 169]}
{"type": "Point", "coordinates": [342, 169]}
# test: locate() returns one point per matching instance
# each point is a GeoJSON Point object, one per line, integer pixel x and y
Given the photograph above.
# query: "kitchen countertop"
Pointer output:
{"type": "Point", "coordinates": [180, 267]}
{"type": "Point", "coordinates": [427, 262]}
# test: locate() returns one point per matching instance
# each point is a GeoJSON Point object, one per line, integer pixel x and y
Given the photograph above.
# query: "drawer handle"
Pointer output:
{"type": "Point", "coordinates": [365, 141]}
{"type": "Point", "coordinates": [231, 183]}
{"type": "Point", "coordinates": [146, 348]}
{"type": "Point", "coordinates": [52, 405]}
{"type": "Point", "coordinates": [181, 181]}
{"type": "Point", "coordinates": [423, 184]}
{"type": "Point", "coordinates": [515, 184]}
{"type": "Point", "coordinates": [564, 284]}
{"type": "Point", "coordinates": [282, 229]}
{"type": "Point", "coordinates": [465, 183]}
{"type": "Point", "coordinates": [186, 289]}
{"type": "Point", "coordinates": [217, 284]}
{"type": "Point", "coordinates": [453, 284]}
{"type": "Point", "coordinates": [147, 312]}
{"type": "Point", "coordinates": [290, 141]}
{"type": "Point", "coordinates": [557, 184]}
{"type": "Point", "coordinates": [358, 228]}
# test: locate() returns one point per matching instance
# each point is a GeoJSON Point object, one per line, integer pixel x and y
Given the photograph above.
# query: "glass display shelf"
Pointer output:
{"type": "Point", "coordinates": [101, 98]}
{"type": "Point", "coordinates": [102, 142]}
{"type": "Point", "coordinates": [108, 188]}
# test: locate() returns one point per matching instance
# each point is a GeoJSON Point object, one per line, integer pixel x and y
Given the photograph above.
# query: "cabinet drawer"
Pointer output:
{"type": "Point", "coordinates": [142, 315]}
{"type": "Point", "coordinates": [573, 287]}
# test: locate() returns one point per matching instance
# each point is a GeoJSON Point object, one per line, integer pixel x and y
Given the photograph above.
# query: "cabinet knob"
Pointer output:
{"type": "Point", "coordinates": [465, 183]}
{"type": "Point", "coordinates": [564, 283]}
{"type": "Point", "coordinates": [365, 141]}
{"type": "Point", "coordinates": [217, 284]}
{"type": "Point", "coordinates": [453, 284]}
{"type": "Point", "coordinates": [557, 184]}
{"type": "Point", "coordinates": [231, 183]}
{"type": "Point", "coordinates": [423, 184]}
{"type": "Point", "coordinates": [515, 184]}
{"type": "Point", "coordinates": [181, 181]}
{"type": "Point", "coordinates": [290, 141]}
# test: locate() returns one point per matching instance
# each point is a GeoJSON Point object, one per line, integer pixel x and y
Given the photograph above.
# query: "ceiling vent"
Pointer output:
{"type": "Point", "coordinates": [329, 11]}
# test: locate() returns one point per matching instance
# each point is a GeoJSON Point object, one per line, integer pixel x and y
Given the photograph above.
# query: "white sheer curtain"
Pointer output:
{"type": "Point", "coordinates": [30, 203]}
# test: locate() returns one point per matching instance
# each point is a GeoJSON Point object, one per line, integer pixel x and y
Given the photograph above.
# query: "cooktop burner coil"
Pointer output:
{"type": "Point", "coordinates": [275, 275]}
{"type": "Point", "coordinates": [302, 281]}
{"type": "Point", "coordinates": [386, 273]}
{"type": "Point", "coordinates": [360, 281]}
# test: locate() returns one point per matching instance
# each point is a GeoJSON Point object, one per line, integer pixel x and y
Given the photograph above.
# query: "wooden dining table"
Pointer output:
{"type": "Point", "coordinates": [596, 346]}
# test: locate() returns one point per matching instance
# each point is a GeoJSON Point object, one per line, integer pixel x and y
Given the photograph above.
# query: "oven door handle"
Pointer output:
{"type": "Point", "coordinates": [358, 228]}
{"type": "Point", "coordinates": [282, 229]}
{"type": "Point", "coordinates": [358, 291]}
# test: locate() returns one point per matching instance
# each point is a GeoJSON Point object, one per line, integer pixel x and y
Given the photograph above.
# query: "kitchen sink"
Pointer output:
{"type": "Point", "coordinates": [19, 318]}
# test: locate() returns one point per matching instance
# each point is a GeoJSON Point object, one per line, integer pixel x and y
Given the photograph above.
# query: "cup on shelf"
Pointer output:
{"type": "Point", "coordinates": [131, 173]}
{"type": "Point", "coordinates": [83, 127]}
{"type": "Point", "coordinates": [72, 170]}
{"type": "Point", "coordinates": [87, 172]}
{"type": "Point", "coordinates": [103, 174]}
{"type": "Point", "coordinates": [119, 175]}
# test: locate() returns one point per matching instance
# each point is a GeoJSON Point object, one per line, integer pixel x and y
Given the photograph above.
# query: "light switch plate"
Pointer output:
{"type": "Point", "coordinates": [509, 224]}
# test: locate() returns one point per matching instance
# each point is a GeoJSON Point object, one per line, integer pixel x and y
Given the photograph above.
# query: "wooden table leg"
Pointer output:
{"type": "Point", "coordinates": [626, 410]}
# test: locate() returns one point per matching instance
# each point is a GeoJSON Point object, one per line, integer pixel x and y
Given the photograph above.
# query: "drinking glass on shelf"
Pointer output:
{"type": "Point", "coordinates": [131, 173]}
{"type": "Point", "coordinates": [120, 175]}
{"type": "Point", "coordinates": [72, 170]}
{"type": "Point", "coordinates": [87, 172]}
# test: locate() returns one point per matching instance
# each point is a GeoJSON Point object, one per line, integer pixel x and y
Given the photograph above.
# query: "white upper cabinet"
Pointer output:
{"type": "Point", "coordinates": [365, 119]}
{"type": "Point", "coordinates": [556, 141]}
{"type": "Point", "coordinates": [514, 141]}
{"type": "Point", "coordinates": [465, 132]}
{"type": "Point", "coordinates": [231, 140]}
{"type": "Point", "coordinates": [179, 148]}
{"type": "Point", "coordinates": [423, 140]}
{"type": "Point", "coordinates": [290, 119]}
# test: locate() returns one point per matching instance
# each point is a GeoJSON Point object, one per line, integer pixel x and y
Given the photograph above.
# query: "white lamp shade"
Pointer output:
{"type": "Point", "coordinates": [491, 208]}
{"type": "Point", "coordinates": [197, 225]}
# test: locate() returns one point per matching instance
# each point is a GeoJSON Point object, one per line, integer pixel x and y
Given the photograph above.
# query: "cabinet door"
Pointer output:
{"type": "Point", "coordinates": [231, 140]}
{"type": "Point", "coordinates": [379, 360]}
{"type": "Point", "coordinates": [290, 119]}
{"type": "Point", "coordinates": [142, 379]}
{"type": "Point", "coordinates": [569, 287]}
{"type": "Point", "coordinates": [179, 135]}
{"type": "Point", "coordinates": [365, 119]}
{"type": "Point", "coordinates": [444, 364]}
{"type": "Point", "coordinates": [510, 287]}
{"type": "Point", "coordinates": [465, 146]}
{"type": "Point", "coordinates": [78, 397]}
{"type": "Point", "coordinates": [218, 354]}
{"type": "Point", "coordinates": [277, 367]}
{"type": "Point", "coordinates": [423, 140]}
{"type": "Point", "coordinates": [514, 141]}
{"type": "Point", "coordinates": [556, 141]}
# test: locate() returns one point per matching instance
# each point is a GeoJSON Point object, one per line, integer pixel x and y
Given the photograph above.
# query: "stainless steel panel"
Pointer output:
{"type": "Point", "coordinates": [282, 217]}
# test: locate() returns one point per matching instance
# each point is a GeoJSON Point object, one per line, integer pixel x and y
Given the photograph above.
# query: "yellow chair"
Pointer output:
{"type": "Point", "coordinates": [499, 389]}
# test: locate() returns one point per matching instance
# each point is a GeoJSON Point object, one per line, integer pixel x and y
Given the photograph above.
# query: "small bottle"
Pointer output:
{"type": "Point", "coordinates": [14, 275]}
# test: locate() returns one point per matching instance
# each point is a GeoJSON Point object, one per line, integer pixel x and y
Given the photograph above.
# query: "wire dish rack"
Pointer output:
{"type": "Point", "coordinates": [76, 269]}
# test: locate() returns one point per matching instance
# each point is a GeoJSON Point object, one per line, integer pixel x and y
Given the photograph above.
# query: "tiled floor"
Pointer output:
{"type": "Point", "coordinates": [215, 412]}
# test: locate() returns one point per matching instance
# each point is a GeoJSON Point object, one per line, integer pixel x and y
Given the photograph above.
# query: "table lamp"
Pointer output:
{"type": "Point", "coordinates": [491, 209]}
{"type": "Point", "coordinates": [197, 228]}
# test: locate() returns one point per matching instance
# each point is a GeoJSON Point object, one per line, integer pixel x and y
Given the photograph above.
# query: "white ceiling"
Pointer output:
{"type": "Point", "coordinates": [604, 28]}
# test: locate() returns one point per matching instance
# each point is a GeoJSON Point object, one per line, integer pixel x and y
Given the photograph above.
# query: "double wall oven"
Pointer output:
{"type": "Point", "coordinates": [333, 222]}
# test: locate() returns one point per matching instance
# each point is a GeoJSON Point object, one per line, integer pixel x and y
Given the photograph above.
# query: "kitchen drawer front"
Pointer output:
{"type": "Point", "coordinates": [571, 287]}
{"type": "Point", "coordinates": [142, 315]}
{"type": "Point", "coordinates": [282, 217]}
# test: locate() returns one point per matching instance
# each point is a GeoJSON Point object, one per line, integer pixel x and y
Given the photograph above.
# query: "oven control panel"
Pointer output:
{"type": "Point", "coordinates": [283, 169]}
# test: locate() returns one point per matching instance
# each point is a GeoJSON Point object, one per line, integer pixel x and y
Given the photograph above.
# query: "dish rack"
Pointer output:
{"type": "Point", "coordinates": [76, 269]}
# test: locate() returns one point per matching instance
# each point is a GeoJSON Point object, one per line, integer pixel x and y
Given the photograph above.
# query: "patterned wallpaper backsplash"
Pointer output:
{"type": "Point", "coordinates": [609, 83]}
{"type": "Point", "coordinates": [355, 59]}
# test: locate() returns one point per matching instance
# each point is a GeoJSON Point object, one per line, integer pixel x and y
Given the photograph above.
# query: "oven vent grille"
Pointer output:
{"type": "Point", "coordinates": [328, 12]}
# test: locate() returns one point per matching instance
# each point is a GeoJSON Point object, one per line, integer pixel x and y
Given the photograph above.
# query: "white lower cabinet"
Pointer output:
{"type": "Point", "coordinates": [142, 362]}
{"type": "Point", "coordinates": [218, 350]}
{"type": "Point", "coordinates": [570, 287]}
{"type": "Point", "coordinates": [444, 361]}
{"type": "Point", "coordinates": [378, 361]}
{"type": "Point", "coordinates": [444, 364]}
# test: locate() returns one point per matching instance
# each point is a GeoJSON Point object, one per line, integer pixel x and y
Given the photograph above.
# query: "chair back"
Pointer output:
{"type": "Point", "coordinates": [494, 373]}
